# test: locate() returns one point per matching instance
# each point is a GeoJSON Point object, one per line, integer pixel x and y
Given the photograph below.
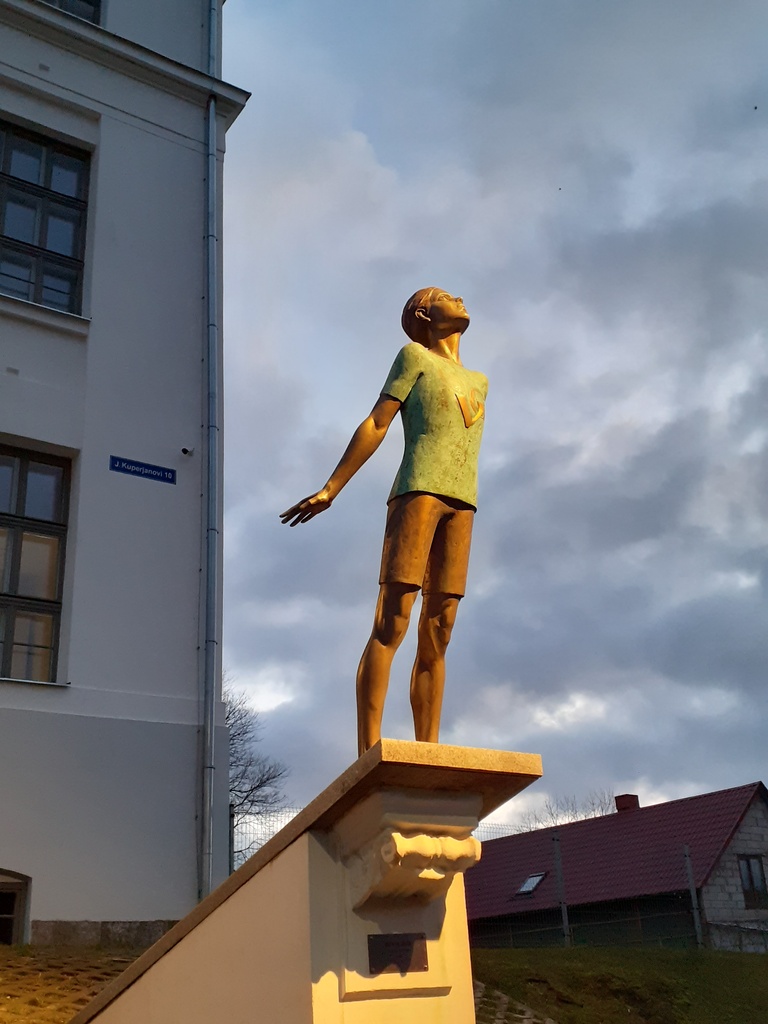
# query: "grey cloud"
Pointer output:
{"type": "Point", "coordinates": [753, 404]}
{"type": "Point", "coordinates": [681, 272]}
{"type": "Point", "coordinates": [719, 638]}
{"type": "Point", "coordinates": [588, 178]}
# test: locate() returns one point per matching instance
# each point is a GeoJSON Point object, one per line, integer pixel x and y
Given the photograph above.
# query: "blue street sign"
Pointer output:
{"type": "Point", "coordinates": [133, 468]}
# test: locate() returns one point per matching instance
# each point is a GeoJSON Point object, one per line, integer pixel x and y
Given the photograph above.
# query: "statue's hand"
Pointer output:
{"type": "Point", "coordinates": [307, 509]}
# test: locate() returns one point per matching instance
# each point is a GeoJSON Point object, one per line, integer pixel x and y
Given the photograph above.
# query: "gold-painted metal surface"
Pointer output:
{"type": "Point", "coordinates": [472, 407]}
{"type": "Point", "coordinates": [442, 406]}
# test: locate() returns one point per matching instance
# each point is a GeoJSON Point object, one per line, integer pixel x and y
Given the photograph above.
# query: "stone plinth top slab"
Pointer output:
{"type": "Point", "coordinates": [497, 775]}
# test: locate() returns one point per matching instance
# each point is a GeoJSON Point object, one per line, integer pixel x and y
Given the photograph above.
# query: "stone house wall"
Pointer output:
{"type": "Point", "coordinates": [731, 925]}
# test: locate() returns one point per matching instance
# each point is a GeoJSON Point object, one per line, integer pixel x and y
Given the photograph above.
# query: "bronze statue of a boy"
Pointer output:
{"type": "Point", "coordinates": [430, 508]}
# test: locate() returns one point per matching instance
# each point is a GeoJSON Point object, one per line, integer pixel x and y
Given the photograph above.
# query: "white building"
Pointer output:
{"type": "Point", "coordinates": [109, 281]}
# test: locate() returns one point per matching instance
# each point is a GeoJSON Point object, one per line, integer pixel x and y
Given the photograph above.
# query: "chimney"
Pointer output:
{"type": "Point", "coordinates": [627, 802]}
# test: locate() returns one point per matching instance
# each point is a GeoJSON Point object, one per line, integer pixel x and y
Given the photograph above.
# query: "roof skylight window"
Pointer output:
{"type": "Point", "coordinates": [530, 884]}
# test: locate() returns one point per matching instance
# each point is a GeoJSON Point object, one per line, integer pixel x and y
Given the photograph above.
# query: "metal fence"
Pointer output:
{"type": "Point", "coordinates": [670, 919]}
{"type": "Point", "coordinates": [662, 921]}
{"type": "Point", "coordinates": [248, 833]}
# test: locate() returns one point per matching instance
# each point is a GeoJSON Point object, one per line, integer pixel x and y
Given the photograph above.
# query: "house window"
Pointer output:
{"type": "Point", "coordinates": [43, 194]}
{"type": "Point", "coordinates": [753, 882]}
{"type": "Point", "coordinates": [531, 882]}
{"type": "Point", "coordinates": [33, 512]}
{"type": "Point", "coordinates": [90, 10]}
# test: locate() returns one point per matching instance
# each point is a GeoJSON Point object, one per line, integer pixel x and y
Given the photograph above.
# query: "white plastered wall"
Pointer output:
{"type": "Point", "coordinates": [101, 807]}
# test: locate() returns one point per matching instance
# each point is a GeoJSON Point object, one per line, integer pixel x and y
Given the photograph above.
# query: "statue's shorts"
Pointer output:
{"type": "Point", "coordinates": [426, 543]}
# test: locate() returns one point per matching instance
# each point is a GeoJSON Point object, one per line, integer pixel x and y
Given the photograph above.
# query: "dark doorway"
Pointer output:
{"type": "Point", "coordinates": [14, 890]}
{"type": "Point", "coordinates": [8, 902]}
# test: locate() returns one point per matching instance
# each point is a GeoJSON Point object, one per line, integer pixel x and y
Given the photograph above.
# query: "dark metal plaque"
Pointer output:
{"type": "Point", "coordinates": [405, 953]}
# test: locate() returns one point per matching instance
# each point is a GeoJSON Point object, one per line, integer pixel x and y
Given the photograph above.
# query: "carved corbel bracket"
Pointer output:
{"type": "Point", "coordinates": [417, 867]}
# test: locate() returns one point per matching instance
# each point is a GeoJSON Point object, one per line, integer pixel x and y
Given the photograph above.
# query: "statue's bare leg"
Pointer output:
{"type": "Point", "coordinates": [438, 614]}
{"type": "Point", "coordinates": [393, 610]}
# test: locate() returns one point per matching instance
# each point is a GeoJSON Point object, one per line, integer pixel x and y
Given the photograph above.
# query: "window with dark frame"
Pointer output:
{"type": "Point", "coordinates": [753, 881]}
{"type": "Point", "coordinates": [89, 10]}
{"type": "Point", "coordinates": [43, 199]}
{"type": "Point", "coordinates": [34, 496]}
{"type": "Point", "coordinates": [532, 882]}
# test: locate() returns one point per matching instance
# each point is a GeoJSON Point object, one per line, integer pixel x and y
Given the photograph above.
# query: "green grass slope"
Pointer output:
{"type": "Point", "coordinates": [638, 986]}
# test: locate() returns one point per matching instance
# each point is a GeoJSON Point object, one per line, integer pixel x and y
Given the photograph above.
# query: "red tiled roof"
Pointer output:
{"type": "Point", "coordinates": [617, 856]}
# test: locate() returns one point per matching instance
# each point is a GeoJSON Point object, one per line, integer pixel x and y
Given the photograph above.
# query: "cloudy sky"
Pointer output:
{"type": "Point", "coordinates": [591, 177]}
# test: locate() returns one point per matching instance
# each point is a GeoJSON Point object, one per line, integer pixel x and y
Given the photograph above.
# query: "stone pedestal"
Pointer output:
{"type": "Point", "coordinates": [352, 914]}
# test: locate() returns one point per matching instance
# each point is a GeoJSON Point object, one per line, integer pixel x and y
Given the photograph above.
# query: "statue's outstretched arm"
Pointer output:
{"type": "Point", "coordinates": [365, 440]}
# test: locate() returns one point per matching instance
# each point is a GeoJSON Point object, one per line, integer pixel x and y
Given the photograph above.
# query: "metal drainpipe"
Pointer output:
{"type": "Point", "coordinates": [212, 526]}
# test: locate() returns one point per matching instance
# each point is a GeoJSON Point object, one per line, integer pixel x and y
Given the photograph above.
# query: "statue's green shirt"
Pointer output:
{"type": "Point", "coordinates": [443, 413]}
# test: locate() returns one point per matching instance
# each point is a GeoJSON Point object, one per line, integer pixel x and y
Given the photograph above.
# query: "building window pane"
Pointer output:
{"type": "Point", "coordinates": [9, 471]}
{"type": "Point", "coordinates": [59, 289]}
{"type": "Point", "coordinates": [753, 882]}
{"type": "Point", "coordinates": [17, 276]}
{"type": "Point", "coordinates": [82, 8]}
{"type": "Point", "coordinates": [61, 231]}
{"type": "Point", "coordinates": [33, 490]}
{"type": "Point", "coordinates": [44, 487]}
{"type": "Point", "coordinates": [758, 878]}
{"type": "Point", "coordinates": [5, 559]}
{"type": "Point", "coordinates": [87, 9]}
{"type": "Point", "coordinates": [67, 175]}
{"type": "Point", "coordinates": [39, 566]}
{"type": "Point", "coordinates": [26, 160]}
{"type": "Point", "coordinates": [43, 188]}
{"type": "Point", "coordinates": [531, 882]}
{"type": "Point", "coordinates": [32, 647]}
{"type": "Point", "coordinates": [746, 875]}
{"type": "Point", "coordinates": [21, 218]}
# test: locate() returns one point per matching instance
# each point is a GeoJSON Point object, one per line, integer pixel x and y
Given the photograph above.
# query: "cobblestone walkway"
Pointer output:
{"type": "Point", "coordinates": [46, 985]}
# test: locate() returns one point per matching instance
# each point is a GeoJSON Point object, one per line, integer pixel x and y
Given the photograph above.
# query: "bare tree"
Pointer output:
{"type": "Point", "coordinates": [255, 780]}
{"type": "Point", "coordinates": [559, 810]}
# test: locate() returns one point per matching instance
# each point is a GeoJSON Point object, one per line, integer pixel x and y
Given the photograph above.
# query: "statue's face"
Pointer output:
{"type": "Point", "coordinates": [446, 310]}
